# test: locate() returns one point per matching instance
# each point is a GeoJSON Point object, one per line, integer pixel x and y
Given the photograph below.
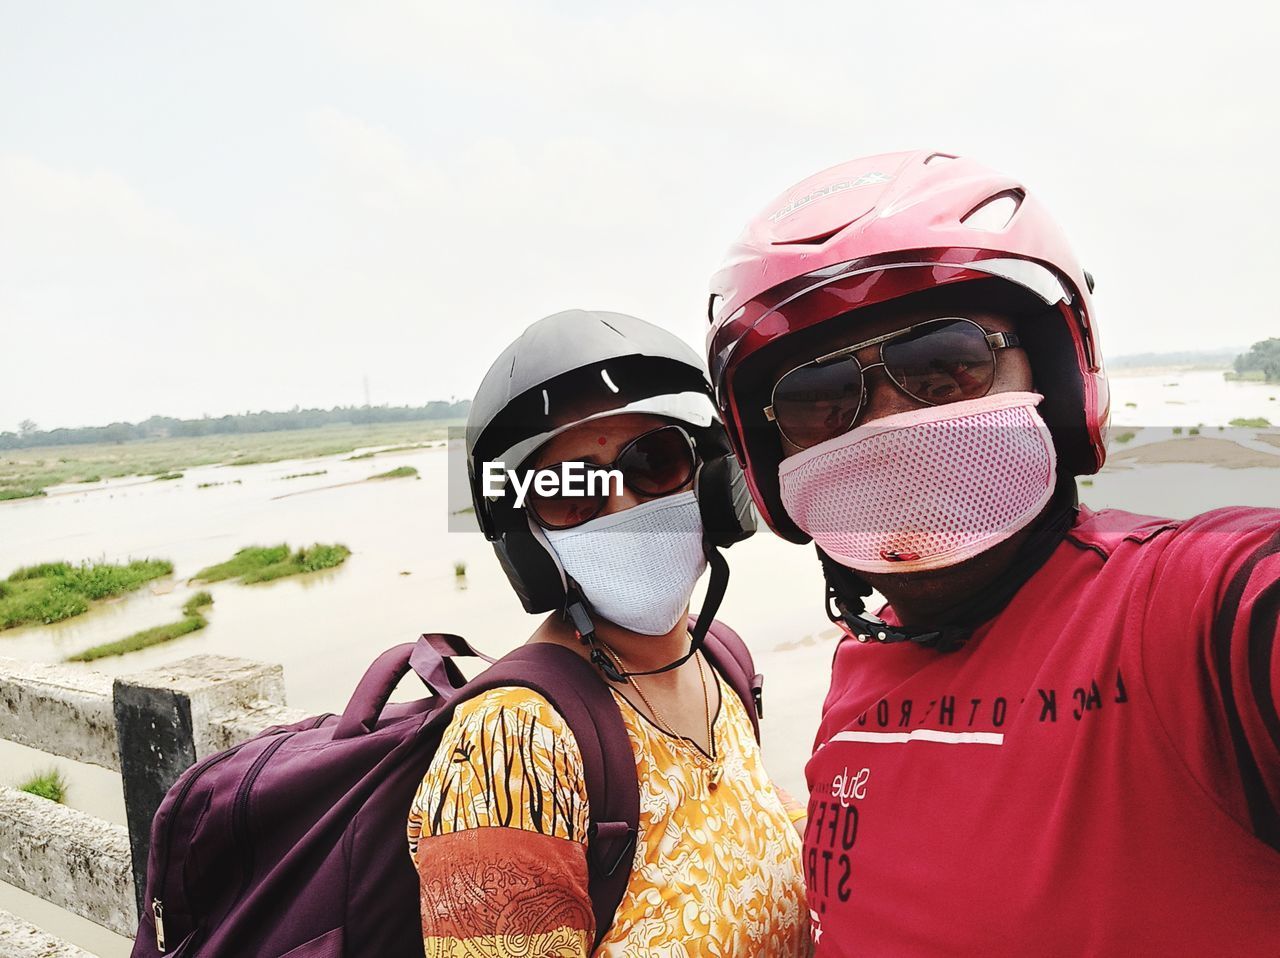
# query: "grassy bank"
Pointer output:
{"type": "Point", "coordinates": [19, 492]}
{"type": "Point", "coordinates": [400, 472]}
{"type": "Point", "coordinates": [23, 472]}
{"type": "Point", "coordinates": [54, 591]}
{"type": "Point", "coordinates": [1249, 376]}
{"type": "Point", "coordinates": [192, 621]}
{"type": "Point", "coordinates": [265, 563]}
{"type": "Point", "coordinates": [387, 452]}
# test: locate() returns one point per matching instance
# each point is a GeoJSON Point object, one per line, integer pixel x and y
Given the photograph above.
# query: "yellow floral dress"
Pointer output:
{"type": "Point", "coordinates": [498, 829]}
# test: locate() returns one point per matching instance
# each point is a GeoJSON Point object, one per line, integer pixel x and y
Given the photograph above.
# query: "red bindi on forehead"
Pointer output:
{"type": "Point", "coordinates": [601, 440]}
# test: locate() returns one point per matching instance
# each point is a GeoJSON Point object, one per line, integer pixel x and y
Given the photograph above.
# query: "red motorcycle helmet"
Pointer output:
{"type": "Point", "coordinates": [886, 227]}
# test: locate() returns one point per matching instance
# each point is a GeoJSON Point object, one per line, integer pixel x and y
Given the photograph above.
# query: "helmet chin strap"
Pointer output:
{"type": "Point", "coordinates": [845, 593]}
{"type": "Point", "coordinates": [846, 590]}
{"type": "Point", "coordinates": [577, 611]}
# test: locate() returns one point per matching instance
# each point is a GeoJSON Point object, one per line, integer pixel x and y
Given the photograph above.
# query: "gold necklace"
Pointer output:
{"type": "Point", "coordinates": [716, 768]}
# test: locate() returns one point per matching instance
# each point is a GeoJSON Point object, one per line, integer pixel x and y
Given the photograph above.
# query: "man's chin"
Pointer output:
{"type": "Point", "coordinates": [918, 577]}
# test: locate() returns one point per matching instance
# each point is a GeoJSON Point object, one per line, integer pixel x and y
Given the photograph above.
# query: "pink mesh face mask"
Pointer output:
{"type": "Point", "coordinates": [924, 489]}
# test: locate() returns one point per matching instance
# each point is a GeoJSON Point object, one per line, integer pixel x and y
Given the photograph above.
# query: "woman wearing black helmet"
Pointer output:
{"type": "Point", "coordinates": [501, 829]}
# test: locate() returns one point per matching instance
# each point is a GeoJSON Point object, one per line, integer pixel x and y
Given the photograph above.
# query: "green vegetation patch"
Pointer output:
{"type": "Point", "coordinates": [401, 472]}
{"type": "Point", "coordinates": [193, 621]}
{"type": "Point", "coordinates": [19, 492]}
{"type": "Point", "coordinates": [50, 785]}
{"type": "Point", "coordinates": [53, 591]}
{"type": "Point", "coordinates": [197, 602]}
{"type": "Point", "coordinates": [304, 475]}
{"type": "Point", "coordinates": [385, 452]}
{"type": "Point", "coordinates": [1125, 436]}
{"type": "Point", "coordinates": [249, 559]}
{"type": "Point", "coordinates": [141, 640]}
{"type": "Point", "coordinates": [264, 563]}
{"type": "Point", "coordinates": [166, 477]}
{"type": "Point", "coordinates": [1257, 422]}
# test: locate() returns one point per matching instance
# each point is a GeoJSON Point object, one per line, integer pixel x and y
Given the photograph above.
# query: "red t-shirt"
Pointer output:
{"type": "Point", "coordinates": [1096, 772]}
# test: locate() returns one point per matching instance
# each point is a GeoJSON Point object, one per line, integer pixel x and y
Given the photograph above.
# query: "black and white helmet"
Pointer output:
{"type": "Point", "coordinates": [613, 364]}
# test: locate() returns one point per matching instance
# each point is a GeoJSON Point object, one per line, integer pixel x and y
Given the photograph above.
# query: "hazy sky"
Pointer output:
{"type": "Point", "coordinates": [230, 206]}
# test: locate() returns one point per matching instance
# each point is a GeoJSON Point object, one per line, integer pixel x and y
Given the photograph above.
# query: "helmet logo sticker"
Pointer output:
{"type": "Point", "coordinates": [799, 203]}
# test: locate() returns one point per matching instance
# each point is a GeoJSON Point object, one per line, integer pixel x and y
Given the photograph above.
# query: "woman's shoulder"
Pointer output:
{"type": "Point", "coordinates": [515, 725]}
{"type": "Point", "coordinates": [506, 759]}
{"type": "Point", "coordinates": [520, 701]}
{"type": "Point", "coordinates": [514, 708]}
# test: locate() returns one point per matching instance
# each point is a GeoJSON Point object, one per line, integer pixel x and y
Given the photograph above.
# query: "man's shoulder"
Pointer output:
{"type": "Point", "coordinates": [1106, 530]}
{"type": "Point", "coordinates": [1211, 538]}
{"type": "Point", "coordinates": [1208, 551]}
{"type": "Point", "coordinates": [1188, 576]}
{"type": "Point", "coordinates": [1233, 520]}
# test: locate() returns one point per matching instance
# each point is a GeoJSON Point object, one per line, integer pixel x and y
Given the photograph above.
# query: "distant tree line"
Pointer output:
{"type": "Point", "coordinates": [162, 427]}
{"type": "Point", "coordinates": [1187, 357]}
{"type": "Point", "coordinates": [1263, 357]}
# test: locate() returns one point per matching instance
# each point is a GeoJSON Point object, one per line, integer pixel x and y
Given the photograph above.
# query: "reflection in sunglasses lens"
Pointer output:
{"type": "Point", "coordinates": [815, 403]}
{"type": "Point", "coordinates": [558, 511]}
{"type": "Point", "coordinates": [658, 462]}
{"type": "Point", "coordinates": [942, 362]}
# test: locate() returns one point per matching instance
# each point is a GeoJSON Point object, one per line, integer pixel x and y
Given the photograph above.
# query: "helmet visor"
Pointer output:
{"type": "Point", "coordinates": [808, 300]}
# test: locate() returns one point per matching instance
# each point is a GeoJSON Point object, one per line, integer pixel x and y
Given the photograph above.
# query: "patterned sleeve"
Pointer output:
{"type": "Point", "coordinates": [498, 832]}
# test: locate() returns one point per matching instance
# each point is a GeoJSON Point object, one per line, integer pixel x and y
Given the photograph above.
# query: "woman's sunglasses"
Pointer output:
{"type": "Point", "coordinates": [653, 464]}
{"type": "Point", "coordinates": [936, 362]}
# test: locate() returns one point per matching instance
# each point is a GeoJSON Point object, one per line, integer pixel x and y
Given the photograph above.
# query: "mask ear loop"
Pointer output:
{"type": "Point", "coordinates": [577, 613]}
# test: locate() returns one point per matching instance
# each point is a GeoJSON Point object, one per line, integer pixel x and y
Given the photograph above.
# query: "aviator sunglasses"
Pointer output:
{"type": "Point", "coordinates": [935, 362]}
{"type": "Point", "coordinates": [653, 464]}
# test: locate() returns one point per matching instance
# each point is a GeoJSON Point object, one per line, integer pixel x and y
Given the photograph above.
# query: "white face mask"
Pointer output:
{"type": "Point", "coordinates": [924, 489]}
{"type": "Point", "coordinates": [638, 567]}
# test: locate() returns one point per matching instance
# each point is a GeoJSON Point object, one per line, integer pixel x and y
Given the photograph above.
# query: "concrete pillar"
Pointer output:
{"type": "Point", "coordinates": [164, 723]}
{"type": "Point", "coordinates": [58, 709]}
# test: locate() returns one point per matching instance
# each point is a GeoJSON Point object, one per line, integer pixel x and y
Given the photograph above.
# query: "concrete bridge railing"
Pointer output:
{"type": "Point", "coordinates": [148, 726]}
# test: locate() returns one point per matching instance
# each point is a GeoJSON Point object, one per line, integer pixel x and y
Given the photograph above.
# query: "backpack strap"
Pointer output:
{"type": "Point", "coordinates": [729, 655]}
{"type": "Point", "coordinates": [579, 694]}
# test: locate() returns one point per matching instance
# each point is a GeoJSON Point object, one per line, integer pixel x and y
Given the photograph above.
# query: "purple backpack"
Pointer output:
{"type": "Point", "coordinates": [292, 844]}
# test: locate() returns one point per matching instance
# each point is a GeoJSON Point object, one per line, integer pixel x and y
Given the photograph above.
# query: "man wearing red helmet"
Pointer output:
{"type": "Point", "coordinates": [1060, 736]}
